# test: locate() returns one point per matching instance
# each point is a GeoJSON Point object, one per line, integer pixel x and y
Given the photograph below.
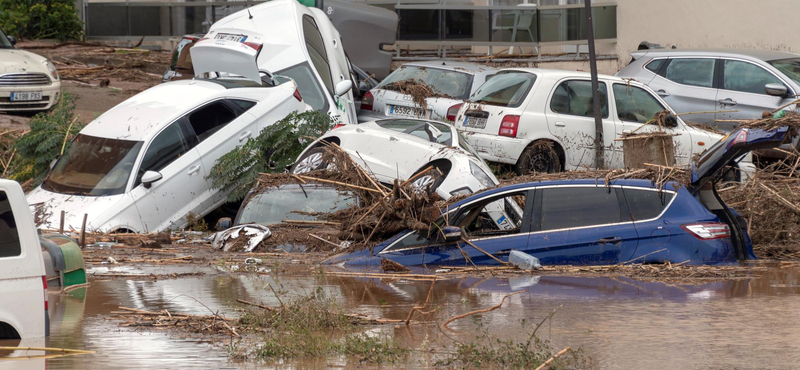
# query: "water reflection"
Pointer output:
{"type": "Point", "coordinates": [622, 323]}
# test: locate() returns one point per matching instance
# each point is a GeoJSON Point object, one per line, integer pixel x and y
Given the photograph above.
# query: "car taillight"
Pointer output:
{"type": "Point", "coordinates": [509, 126]}
{"type": "Point", "coordinates": [453, 111]}
{"type": "Point", "coordinates": [741, 137]}
{"type": "Point", "coordinates": [708, 230]}
{"type": "Point", "coordinates": [297, 95]}
{"type": "Point", "coordinates": [338, 125]}
{"type": "Point", "coordinates": [253, 45]}
{"type": "Point", "coordinates": [44, 284]}
{"type": "Point", "coordinates": [367, 100]}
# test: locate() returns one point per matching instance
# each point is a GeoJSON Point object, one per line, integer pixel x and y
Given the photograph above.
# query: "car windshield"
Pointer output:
{"type": "Point", "coordinates": [293, 203]}
{"type": "Point", "coordinates": [505, 89]}
{"type": "Point", "coordinates": [94, 166]}
{"type": "Point", "coordinates": [789, 67]}
{"type": "Point", "coordinates": [307, 84]}
{"type": "Point", "coordinates": [4, 43]}
{"type": "Point", "coordinates": [450, 83]}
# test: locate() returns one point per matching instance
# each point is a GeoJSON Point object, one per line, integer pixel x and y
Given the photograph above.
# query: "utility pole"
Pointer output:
{"type": "Point", "coordinates": [598, 114]}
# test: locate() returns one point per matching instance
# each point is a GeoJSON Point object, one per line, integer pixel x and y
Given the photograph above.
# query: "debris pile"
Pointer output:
{"type": "Point", "coordinates": [206, 324]}
{"type": "Point", "coordinates": [418, 89]}
{"type": "Point", "coordinates": [659, 175]}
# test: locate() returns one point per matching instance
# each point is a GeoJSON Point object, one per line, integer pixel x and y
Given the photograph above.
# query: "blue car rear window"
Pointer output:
{"type": "Point", "coordinates": [646, 204]}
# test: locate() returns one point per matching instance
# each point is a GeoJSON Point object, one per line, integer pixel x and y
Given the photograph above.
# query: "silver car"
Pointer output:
{"type": "Point", "coordinates": [714, 80]}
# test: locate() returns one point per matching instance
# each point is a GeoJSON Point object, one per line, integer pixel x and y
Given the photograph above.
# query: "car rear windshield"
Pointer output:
{"type": "Point", "coordinates": [278, 204]}
{"type": "Point", "coordinates": [505, 89]}
{"type": "Point", "coordinates": [789, 67]}
{"type": "Point", "coordinates": [441, 81]}
{"type": "Point", "coordinates": [94, 166]}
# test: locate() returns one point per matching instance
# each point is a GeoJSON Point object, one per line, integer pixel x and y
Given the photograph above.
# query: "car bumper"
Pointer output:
{"type": "Point", "coordinates": [50, 96]}
{"type": "Point", "coordinates": [494, 148]}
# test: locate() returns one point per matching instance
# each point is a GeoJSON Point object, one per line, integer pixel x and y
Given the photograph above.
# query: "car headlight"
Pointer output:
{"type": "Point", "coordinates": [463, 191]}
{"type": "Point", "coordinates": [479, 174]}
{"type": "Point", "coordinates": [52, 69]}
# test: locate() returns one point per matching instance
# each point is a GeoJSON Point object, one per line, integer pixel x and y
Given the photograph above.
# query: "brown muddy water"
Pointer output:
{"type": "Point", "coordinates": [619, 322]}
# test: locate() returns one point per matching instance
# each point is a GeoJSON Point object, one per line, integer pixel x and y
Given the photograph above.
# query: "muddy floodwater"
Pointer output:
{"type": "Point", "coordinates": [619, 322]}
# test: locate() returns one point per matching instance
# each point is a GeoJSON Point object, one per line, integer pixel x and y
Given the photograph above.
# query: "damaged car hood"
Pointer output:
{"type": "Point", "coordinates": [19, 61]}
{"type": "Point", "coordinates": [97, 209]}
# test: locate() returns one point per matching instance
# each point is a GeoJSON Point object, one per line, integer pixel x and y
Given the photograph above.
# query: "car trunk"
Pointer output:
{"type": "Point", "coordinates": [396, 104]}
{"type": "Point", "coordinates": [225, 56]}
{"type": "Point", "coordinates": [710, 168]}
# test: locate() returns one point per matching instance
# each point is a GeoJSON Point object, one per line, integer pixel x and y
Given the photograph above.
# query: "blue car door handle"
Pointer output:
{"type": "Point", "coordinates": [611, 240]}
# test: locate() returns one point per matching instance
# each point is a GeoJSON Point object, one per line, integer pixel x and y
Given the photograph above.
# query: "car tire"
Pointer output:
{"type": "Point", "coordinates": [314, 159]}
{"type": "Point", "coordinates": [539, 157]}
{"type": "Point", "coordinates": [430, 181]}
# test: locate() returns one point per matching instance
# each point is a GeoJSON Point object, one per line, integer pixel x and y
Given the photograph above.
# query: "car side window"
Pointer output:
{"type": "Point", "coordinates": [496, 216]}
{"type": "Point", "coordinates": [691, 71]}
{"type": "Point", "coordinates": [746, 77]}
{"type": "Point", "coordinates": [570, 207]}
{"type": "Point", "coordinates": [210, 119]}
{"type": "Point", "coordinates": [316, 50]}
{"type": "Point", "coordinates": [167, 146]}
{"type": "Point", "coordinates": [655, 65]}
{"type": "Point", "coordinates": [646, 204]}
{"type": "Point", "coordinates": [635, 104]}
{"type": "Point", "coordinates": [9, 236]}
{"type": "Point", "coordinates": [575, 98]}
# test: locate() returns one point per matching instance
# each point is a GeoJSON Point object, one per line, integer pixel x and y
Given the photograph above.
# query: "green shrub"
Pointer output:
{"type": "Point", "coordinates": [40, 19]}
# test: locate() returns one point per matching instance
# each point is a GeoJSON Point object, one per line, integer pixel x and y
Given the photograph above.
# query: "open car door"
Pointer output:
{"type": "Point", "coordinates": [225, 56]}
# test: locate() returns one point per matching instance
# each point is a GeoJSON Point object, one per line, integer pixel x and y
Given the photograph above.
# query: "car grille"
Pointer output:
{"type": "Point", "coordinates": [24, 79]}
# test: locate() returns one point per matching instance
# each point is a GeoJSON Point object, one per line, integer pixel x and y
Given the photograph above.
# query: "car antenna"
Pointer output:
{"type": "Point", "coordinates": [248, 13]}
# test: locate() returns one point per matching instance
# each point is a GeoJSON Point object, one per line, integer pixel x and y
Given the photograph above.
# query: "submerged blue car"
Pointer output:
{"type": "Point", "coordinates": [586, 222]}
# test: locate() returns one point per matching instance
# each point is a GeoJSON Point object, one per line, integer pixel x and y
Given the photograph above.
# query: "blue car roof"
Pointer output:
{"type": "Point", "coordinates": [641, 183]}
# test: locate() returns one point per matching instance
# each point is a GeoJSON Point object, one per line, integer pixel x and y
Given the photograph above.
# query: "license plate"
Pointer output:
{"type": "Point", "coordinates": [26, 96]}
{"type": "Point", "coordinates": [230, 37]}
{"type": "Point", "coordinates": [399, 110]}
{"type": "Point", "coordinates": [475, 122]}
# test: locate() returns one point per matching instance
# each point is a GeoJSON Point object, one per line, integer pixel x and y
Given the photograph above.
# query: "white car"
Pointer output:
{"type": "Point", "coordinates": [454, 79]}
{"type": "Point", "coordinates": [23, 284]}
{"type": "Point", "coordinates": [516, 111]}
{"type": "Point", "coordinates": [28, 82]}
{"type": "Point", "coordinates": [300, 43]}
{"type": "Point", "coordinates": [142, 166]}
{"type": "Point", "coordinates": [401, 147]}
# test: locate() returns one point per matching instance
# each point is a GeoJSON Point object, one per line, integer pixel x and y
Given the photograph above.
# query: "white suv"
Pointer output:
{"type": "Point", "coordinates": [518, 109]}
{"type": "Point", "coordinates": [23, 285]}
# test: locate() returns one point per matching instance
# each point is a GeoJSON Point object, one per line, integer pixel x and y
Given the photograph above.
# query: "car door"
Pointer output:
{"type": "Point", "coordinates": [646, 207]}
{"type": "Point", "coordinates": [635, 106]}
{"type": "Point", "coordinates": [570, 118]}
{"type": "Point", "coordinates": [581, 224]}
{"type": "Point", "coordinates": [742, 89]}
{"type": "Point", "coordinates": [687, 85]}
{"type": "Point", "coordinates": [169, 200]}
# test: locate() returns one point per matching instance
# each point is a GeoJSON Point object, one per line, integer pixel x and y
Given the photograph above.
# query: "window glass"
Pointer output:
{"type": "Point", "coordinates": [4, 43]}
{"type": "Point", "coordinates": [316, 50]}
{"type": "Point", "coordinates": [9, 237]}
{"type": "Point", "coordinates": [501, 216]}
{"type": "Point", "coordinates": [168, 146]}
{"type": "Point", "coordinates": [244, 104]}
{"type": "Point", "coordinates": [94, 166]}
{"type": "Point", "coordinates": [505, 89]}
{"type": "Point", "coordinates": [655, 65]}
{"type": "Point", "coordinates": [445, 82]}
{"type": "Point", "coordinates": [278, 204]}
{"type": "Point", "coordinates": [789, 67]}
{"type": "Point", "coordinates": [635, 104]}
{"type": "Point", "coordinates": [307, 84]}
{"type": "Point", "coordinates": [433, 132]}
{"type": "Point", "coordinates": [646, 204]}
{"type": "Point", "coordinates": [181, 58]}
{"type": "Point", "coordinates": [746, 77]}
{"type": "Point", "coordinates": [694, 72]}
{"type": "Point", "coordinates": [210, 119]}
{"type": "Point", "coordinates": [575, 98]}
{"type": "Point", "coordinates": [564, 207]}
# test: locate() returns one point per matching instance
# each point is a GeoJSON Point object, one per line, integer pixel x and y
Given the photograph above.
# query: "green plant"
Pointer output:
{"type": "Point", "coordinates": [37, 19]}
{"type": "Point", "coordinates": [50, 136]}
{"type": "Point", "coordinates": [275, 148]}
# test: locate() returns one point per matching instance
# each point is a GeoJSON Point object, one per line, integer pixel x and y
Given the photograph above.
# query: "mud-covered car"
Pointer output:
{"type": "Point", "coordinates": [590, 222]}
{"type": "Point", "coordinates": [28, 82]}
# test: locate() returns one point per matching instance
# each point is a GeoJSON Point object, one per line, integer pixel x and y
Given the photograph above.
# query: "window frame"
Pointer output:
{"type": "Point", "coordinates": [657, 98]}
{"type": "Point", "coordinates": [191, 138]}
{"type": "Point", "coordinates": [721, 76]}
{"type": "Point", "coordinates": [226, 102]}
{"type": "Point", "coordinates": [15, 218]}
{"type": "Point", "coordinates": [663, 211]}
{"type": "Point", "coordinates": [715, 78]}
{"type": "Point", "coordinates": [536, 224]}
{"type": "Point", "coordinates": [561, 82]}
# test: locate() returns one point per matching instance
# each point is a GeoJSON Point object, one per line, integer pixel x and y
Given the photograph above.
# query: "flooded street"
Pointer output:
{"type": "Point", "coordinates": [619, 322]}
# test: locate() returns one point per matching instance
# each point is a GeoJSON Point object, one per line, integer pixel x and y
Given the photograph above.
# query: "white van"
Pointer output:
{"type": "Point", "coordinates": [23, 285]}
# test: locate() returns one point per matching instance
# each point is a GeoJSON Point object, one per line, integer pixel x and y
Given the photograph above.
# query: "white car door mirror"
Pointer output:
{"type": "Point", "coordinates": [775, 89]}
{"type": "Point", "coordinates": [343, 87]}
{"type": "Point", "coordinates": [149, 178]}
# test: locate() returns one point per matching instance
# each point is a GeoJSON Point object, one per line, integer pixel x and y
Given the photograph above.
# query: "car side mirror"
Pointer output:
{"type": "Point", "coordinates": [149, 178]}
{"type": "Point", "coordinates": [449, 234]}
{"type": "Point", "coordinates": [12, 40]}
{"type": "Point", "coordinates": [343, 87]}
{"type": "Point", "coordinates": [776, 89]}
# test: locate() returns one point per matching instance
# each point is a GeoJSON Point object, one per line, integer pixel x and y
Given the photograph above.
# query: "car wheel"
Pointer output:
{"type": "Point", "coordinates": [429, 181]}
{"type": "Point", "coordinates": [540, 157]}
{"type": "Point", "coordinates": [315, 159]}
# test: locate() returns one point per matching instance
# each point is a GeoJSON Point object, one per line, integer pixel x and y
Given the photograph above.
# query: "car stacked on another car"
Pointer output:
{"type": "Point", "coordinates": [142, 165]}
{"type": "Point", "coordinates": [453, 80]}
{"type": "Point", "coordinates": [28, 82]}
{"type": "Point", "coordinates": [542, 120]}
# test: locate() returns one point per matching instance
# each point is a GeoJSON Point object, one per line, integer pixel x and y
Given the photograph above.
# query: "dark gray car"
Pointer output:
{"type": "Point", "coordinates": [691, 80]}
